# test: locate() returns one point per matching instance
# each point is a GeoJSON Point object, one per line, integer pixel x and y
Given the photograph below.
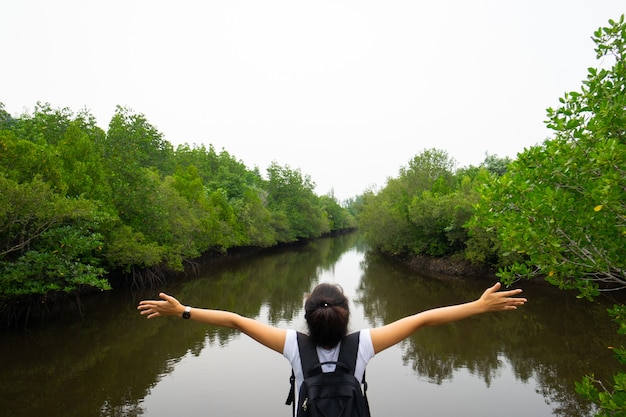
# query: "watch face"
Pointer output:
{"type": "Point", "coordinates": [186, 315]}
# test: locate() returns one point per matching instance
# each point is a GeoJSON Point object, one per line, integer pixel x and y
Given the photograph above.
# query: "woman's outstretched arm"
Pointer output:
{"type": "Point", "coordinates": [270, 336]}
{"type": "Point", "coordinates": [491, 300]}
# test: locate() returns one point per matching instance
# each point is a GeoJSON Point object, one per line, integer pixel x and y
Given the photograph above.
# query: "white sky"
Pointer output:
{"type": "Point", "coordinates": [346, 91]}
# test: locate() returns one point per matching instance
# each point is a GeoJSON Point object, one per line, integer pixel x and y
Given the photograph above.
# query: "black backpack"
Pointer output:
{"type": "Point", "coordinates": [329, 394]}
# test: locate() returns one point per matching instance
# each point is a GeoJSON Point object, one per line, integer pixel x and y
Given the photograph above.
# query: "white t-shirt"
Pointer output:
{"type": "Point", "coordinates": [291, 352]}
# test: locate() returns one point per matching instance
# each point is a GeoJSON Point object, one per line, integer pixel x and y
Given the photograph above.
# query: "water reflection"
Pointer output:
{"type": "Point", "coordinates": [115, 363]}
{"type": "Point", "coordinates": [553, 340]}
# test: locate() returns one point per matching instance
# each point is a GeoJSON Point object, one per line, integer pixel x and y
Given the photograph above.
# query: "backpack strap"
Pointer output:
{"type": "Point", "coordinates": [349, 350]}
{"type": "Point", "coordinates": [348, 354]}
{"type": "Point", "coordinates": [308, 355]}
{"type": "Point", "coordinates": [291, 398]}
{"type": "Point", "coordinates": [308, 360]}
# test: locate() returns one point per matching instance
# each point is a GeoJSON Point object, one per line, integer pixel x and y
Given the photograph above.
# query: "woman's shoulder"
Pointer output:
{"type": "Point", "coordinates": [290, 350]}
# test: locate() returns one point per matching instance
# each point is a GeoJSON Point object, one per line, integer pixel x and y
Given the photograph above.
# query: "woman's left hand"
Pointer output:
{"type": "Point", "coordinates": [494, 300]}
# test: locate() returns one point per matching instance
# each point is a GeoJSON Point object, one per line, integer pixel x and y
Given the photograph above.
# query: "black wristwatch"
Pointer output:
{"type": "Point", "coordinates": [187, 312]}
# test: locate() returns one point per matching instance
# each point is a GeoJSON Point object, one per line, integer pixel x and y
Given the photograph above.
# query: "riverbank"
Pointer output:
{"type": "Point", "coordinates": [115, 362]}
{"type": "Point", "coordinates": [29, 310]}
{"type": "Point", "coordinates": [447, 265]}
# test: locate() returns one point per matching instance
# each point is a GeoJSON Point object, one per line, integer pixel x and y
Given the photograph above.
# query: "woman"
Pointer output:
{"type": "Point", "coordinates": [327, 315]}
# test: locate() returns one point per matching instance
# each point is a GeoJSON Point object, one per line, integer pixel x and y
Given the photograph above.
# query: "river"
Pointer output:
{"type": "Point", "coordinates": [114, 362]}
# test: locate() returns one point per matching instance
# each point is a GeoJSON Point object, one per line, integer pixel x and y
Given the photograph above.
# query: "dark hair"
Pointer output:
{"type": "Point", "coordinates": [327, 314]}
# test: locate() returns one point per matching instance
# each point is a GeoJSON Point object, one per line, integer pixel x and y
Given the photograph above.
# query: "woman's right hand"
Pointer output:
{"type": "Point", "coordinates": [166, 306]}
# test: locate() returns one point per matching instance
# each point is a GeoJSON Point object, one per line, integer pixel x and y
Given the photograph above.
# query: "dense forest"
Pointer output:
{"type": "Point", "coordinates": [79, 205]}
{"type": "Point", "coordinates": [557, 212]}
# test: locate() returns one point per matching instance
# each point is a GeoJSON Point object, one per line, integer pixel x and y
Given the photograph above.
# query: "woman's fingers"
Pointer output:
{"type": "Point", "coordinates": [166, 306]}
{"type": "Point", "coordinates": [156, 308]}
{"type": "Point", "coordinates": [502, 300]}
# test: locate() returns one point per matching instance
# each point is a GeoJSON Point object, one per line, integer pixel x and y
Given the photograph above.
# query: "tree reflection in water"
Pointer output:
{"type": "Point", "coordinates": [554, 339]}
{"type": "Point", "coordinates": [116, 363]}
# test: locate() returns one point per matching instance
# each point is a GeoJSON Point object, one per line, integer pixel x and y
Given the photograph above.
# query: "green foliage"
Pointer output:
{"type": "Point", "coordinates": [496, 165]}
{"type": "Point", "coordinates": [611, 399]}
{"type": "Point", "coordinates": [132, 142]}
{"type": "Point", "coordinates": [482, 245]}
{"type": "Point", "coordinates": [5, 118]}
{"type": "Point", "coordinates": [22, 160]}
{"type": "Point", "coordinates": [80, 155]}
{"type": "Point", "coordinates": [439, 220]}
{"type": "Point", "coordinates": [423, 211]}
{"type": "Point", "coordinates": [62, 259]}
{"type": "Point", "coordinates": [45, 126]}
{"type": "Point", "coordinates": [49, 242]}
{"type": "Point", "coordinates": [339, 218]}
{"type": "Point", "coordinates": [30, 209]}
{"type": "Point", "coordinates": [613, 402]}
{"type": "Point", "coordinates": [291, 195]}
{"type": "Point", "coordinates": [128, 249]}
{"type": "Point", "coordinates": [255, 219]}
{"type": "Point", "coordinates": [559, 212]}
{"type": "Point", "coordinates": [76, 202]}
{"type": "Point", "coordinates": [384, 220]}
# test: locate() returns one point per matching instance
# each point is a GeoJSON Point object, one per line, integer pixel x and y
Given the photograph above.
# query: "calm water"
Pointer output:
{"type": "Point", "coordinates": [116, 363]}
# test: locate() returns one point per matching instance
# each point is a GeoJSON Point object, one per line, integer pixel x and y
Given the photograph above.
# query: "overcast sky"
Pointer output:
{"type": "Point", "coordinates": [346, 91]}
